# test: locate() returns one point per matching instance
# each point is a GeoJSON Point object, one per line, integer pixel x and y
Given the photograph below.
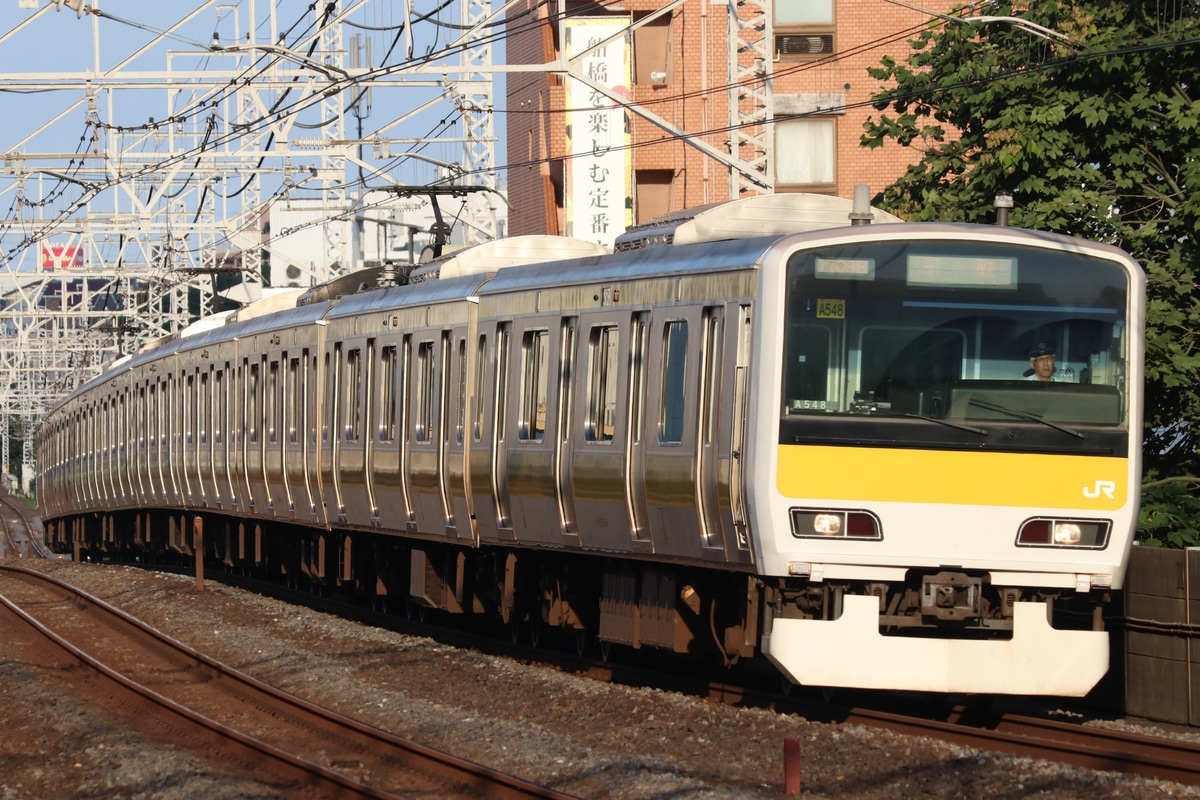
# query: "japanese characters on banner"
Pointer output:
{"type": "Point", "coordinates": [599, 167]}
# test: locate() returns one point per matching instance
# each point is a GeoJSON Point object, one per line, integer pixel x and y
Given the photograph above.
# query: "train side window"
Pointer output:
{"type": "Point", "coordinates": [219, 406]}
{"type": "Point", "coordinates": [205, 408]}
{"type": "Point", "coordinates": [334, 377]}
{"type": "Point", "coordinates": [461, 423]}
{"type": "Point", "coordinates": [252, 417]}
{"type": "Point", "coordinates": [600, 423]}
{"type": "Point", "coordinates": [503, 333]}
{"type": "Point", "coordinates": [187, 408]}
{"type": "Point", "coordinates": [535, 349]}
{"type": "Point", "coordinates": [353, 421]}
{"type": "Point", "coordinates": [387, 393]}
{"type": "Point", "coordinates": [272, 420]}
{"type": "Point", "coordinates": [481, 358]}
{"type": "Point", "coordinates": [295, 379]}
{"type": "Point", "coordinates": [671, 411]}
{"type": "Point", "coordinates": [425, 369]}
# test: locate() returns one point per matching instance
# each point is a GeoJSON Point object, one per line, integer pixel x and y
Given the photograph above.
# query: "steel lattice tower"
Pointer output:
{"type": "Point", "coordinates": [140, 205]}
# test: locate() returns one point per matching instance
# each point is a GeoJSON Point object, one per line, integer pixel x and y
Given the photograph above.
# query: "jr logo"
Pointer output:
{"type": "Point", "coordinates": [1106, 488]}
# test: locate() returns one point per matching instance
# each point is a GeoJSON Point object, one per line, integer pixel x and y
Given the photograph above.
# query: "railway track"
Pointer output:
{"type": "Point", "coordinates": [163, 685]}
{"type": "Point", "coordinates": [18, 531]}
{"type": "Point", "coordinates": [1024, 735]}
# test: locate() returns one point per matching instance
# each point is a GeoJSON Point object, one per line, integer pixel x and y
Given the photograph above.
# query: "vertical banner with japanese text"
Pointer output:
{"type": "Point", "coordinates": [599, 190]}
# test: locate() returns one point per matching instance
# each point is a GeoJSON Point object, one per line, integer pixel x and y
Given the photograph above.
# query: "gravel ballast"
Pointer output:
{"type": "Point", "coordinates": [589, 739]}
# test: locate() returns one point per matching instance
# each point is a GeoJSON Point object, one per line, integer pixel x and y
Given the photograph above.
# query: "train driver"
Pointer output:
{"type": "Point", "coordinates": [1042, 363]}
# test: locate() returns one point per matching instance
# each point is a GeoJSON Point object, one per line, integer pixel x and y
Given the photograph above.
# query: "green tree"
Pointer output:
{"type": "Point", "coordinates": [1094, 128]}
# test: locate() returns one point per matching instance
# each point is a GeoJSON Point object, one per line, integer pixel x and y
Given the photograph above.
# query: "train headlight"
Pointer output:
{"type": "Point", "coordinates": [834, 524]}
{"type": "Point", "coordinates": [1080, 533]}
{"type": "Point", "coordinates": [1067, 533]}
{"type": "Point", "coordinates": [827, 524]}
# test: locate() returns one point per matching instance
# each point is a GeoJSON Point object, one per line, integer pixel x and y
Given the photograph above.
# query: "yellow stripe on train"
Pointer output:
{"type": "Point", "coordinates": [865, 474]}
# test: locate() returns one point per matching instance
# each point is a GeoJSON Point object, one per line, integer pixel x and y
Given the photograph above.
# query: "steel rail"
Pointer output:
{"type": "Point", "coordinates": [464, 777]}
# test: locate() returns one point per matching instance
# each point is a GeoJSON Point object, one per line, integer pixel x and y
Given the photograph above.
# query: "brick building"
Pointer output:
{"type": "Point", "coordinates": [799, 131]}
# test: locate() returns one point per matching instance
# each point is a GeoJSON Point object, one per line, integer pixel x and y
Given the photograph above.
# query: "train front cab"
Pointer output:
{"type": "Point", "coordinates": [929, 516]}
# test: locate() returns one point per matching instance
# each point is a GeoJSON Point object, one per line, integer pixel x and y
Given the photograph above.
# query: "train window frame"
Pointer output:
{"type": "Point", "coordinates": [188, 410]}
{"type": "Point", "coordinates": [351, 412]}
{"type": "Point", "coordinates": [460, 427]}
{"type": "Point", "coordinates": [425, 367]}
{"type": "Point", "coordinates": [296, 383]}
{"type": "Point", "coordinates": [672, 408]}
{"type": "Point", "coordinates": [272, 403]}
{"type": "Point", "coordinates": [604, 342]}
{"type": "Point", "coordinates": [333, 371]}
{"type": "Point", "coordinates": [503, 356]}
{"type": "Point", "coordinates": [252, 402]}
{"type": "Point", "coordinates": [477, 410]}
{"type": "Point", "coordinates": [204, 407]}
{"type": "Point", "coordinates": [220, 405]}
{"type": "Point", "coordinates": [535, 359]}
{"type": "Point", "coordinates": [388, 361]}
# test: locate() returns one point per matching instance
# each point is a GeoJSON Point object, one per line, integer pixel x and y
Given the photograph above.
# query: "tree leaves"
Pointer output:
{"type": "Point", "coordinates": [1100, 140]}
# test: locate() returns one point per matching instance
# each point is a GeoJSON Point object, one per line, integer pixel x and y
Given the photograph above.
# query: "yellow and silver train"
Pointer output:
{"type": "Point", "coordinates": [753, 430]}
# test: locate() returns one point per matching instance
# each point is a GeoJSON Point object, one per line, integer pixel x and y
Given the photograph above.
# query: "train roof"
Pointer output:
{"type": "Point", "coordinates": [753, 217]}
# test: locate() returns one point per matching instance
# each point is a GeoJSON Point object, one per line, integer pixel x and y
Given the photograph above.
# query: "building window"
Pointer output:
{"type": "Point", "coordinates": [653, 192]}
{"type": "Point", "coordinates": [806, 155]}
{"type": "Point", "coordinates": [652, 61]}
{"type": "Point", "coordinates": [804, 29]}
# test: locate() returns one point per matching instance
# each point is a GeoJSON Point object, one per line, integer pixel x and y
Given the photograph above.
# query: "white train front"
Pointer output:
{"type": "Point", "coordinates": [753, 430]}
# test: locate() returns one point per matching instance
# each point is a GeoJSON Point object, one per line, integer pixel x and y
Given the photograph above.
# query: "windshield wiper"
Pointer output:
{"type": "Point", "coordinates": [1016, 412]}
{"type": "Point", "coordinates": [939, 421]}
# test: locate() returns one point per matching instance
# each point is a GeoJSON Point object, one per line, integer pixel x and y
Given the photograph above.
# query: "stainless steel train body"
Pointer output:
{"type": "Point", "coordinates": [818, 447]}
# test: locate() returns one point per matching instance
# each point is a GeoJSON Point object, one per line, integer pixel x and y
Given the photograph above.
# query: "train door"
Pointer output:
{"type": "Point", "coordinates": [369, 413]}
{"type": "Point", "coordinates": [170, 452]}
{"type": "Point", "coordinates": [109, 432]}
{"type": "Point", "coordinates": [238, 497]}
{"type": "Point", "coordinates": [87, 419]}
{"type": "Point", "coordinates": [354, 505]}
{"type": "Point", "coordinates": [313, 400]}
{"type": "Point", "coordinates": [481, 424]}
{"type": "Point", "coordinates": [601, 446]}
{"type": "Point", "coordinates": [404, 390]}
{"type": "Point", "coordinates": [140, 435]}
{"type": "Point", "coordinates": [455, 473]}
{"type": "Point", "coordinates": [256, 494]}
{"type": "Point", "coordinates": [122, 422]}
{"type": "Point", "coordinates": [712, 348]}
{"type": "Point", "coordinates": [329, 440]}
{"type": "Point", "coordinates": [533, 472]}
{"type": "Point", "coordinates": [564, 439]}
{"type": "Point", "coordinates": [386, 478]}
{"type": "Point", "coordinates": [634, 468]}
{"type": "Point", "coordinates": [737, 541]}
{"type": "Point", "coordinates": [674, 467]}
{"type": "Point", "coordinates": [272, 433]}
{"type": "Point", "coordinates": [426, 447]}
{"type": "Point", "coordinates": [219, 434]}
{"type": "Point", "coordinates": [207, 445]}
{"type": "Point", "coordinates": [182, 436]}
{"type": "Point", "coordinates": [155, 470]}
{"type": "Point", "coordinates": [295, 436]}
{"type": "Point", "coordinates": [490, 437]}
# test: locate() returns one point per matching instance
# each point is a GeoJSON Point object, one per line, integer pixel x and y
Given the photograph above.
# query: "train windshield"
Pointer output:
{"type": "Point", "coordinates": [969, 334]}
